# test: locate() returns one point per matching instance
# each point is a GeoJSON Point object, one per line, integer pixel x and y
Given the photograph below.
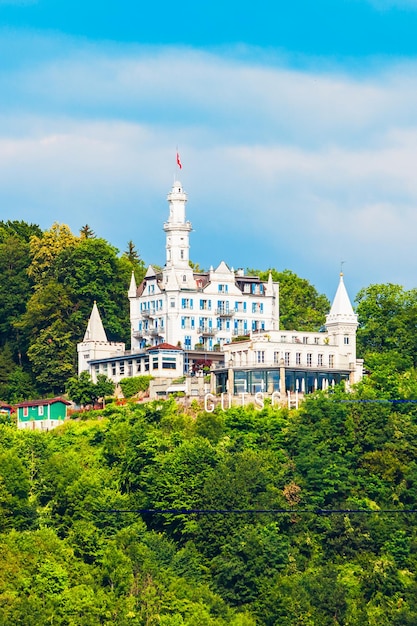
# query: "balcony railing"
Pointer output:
{"type": "Point", "coordinates": [206, 331]}
{"type": "Point", "coordinates": [225, 312]}
{"type": "Point", "coordinates": [147, 313]}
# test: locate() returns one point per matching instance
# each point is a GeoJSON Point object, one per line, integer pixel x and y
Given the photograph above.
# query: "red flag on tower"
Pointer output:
{"type": "Point", "coordinates": [179, 161]}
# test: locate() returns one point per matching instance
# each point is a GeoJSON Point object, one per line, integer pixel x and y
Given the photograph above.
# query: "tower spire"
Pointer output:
{"type": "Point", "coordinates": [95, 329]}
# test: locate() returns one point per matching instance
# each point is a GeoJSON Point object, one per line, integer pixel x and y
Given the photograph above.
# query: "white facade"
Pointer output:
{"type": "Point", "coordinates": [197, 310]}
{"type": "Point", "coordinates": [297, 360]}
{"type": "Point", "coordinates": [178, 316]}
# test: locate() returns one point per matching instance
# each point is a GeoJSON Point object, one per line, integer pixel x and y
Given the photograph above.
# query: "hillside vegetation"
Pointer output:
{"type": "Point", "coordinates": [75, 551]}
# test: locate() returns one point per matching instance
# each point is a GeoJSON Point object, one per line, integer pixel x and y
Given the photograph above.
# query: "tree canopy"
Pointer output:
{"type": "Point", "coordinates": [301, 306]}
{"type": "Point", "coordinates": [84, 540]}
{"type": "Point", "coordinates": [387, 316]}
{"type": "Point", "coordinates": [48, 283]}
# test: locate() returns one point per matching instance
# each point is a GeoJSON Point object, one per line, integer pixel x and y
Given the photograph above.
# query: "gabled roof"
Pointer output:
{"type": "Point", "coordinates": [223, 268]}
{"type": "Point", "coordinates": [95, 329]}
{"type": "Point", "coordinates": [43, 402]}
{"type": "Point", "coordinates": [150, 272]}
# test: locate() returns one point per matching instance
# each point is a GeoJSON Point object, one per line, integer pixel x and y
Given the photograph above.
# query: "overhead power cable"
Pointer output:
{"type": "Point", "coordinates": [261, 511]}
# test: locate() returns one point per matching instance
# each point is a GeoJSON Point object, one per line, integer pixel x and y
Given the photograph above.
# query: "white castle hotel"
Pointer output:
{"type": "Point", "coordinates": [181, 319]}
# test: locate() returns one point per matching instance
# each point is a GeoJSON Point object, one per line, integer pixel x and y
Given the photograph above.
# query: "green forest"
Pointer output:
{"type": "Point", "coordinates": [82, 541]}
{"type": "Point", "coordinates": [162, 514]}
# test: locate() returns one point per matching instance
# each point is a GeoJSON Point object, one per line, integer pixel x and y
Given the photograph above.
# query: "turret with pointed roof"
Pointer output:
{"type": "Point", "coordinates": [95, 329]}
{"type": "Point", "coordinates": [132, 287]}
{"type": "Point", "coordinates": [95, 344]}
{"type": "Point", "coordinates": [341, 324]}
{"type": "Point", "coordinates": [342, 310]}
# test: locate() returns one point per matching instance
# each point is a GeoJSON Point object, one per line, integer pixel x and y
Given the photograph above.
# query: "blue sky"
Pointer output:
{"type": "Point", "coordinates": [296, 123]}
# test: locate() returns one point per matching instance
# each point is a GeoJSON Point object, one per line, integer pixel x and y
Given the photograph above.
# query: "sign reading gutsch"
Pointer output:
{"type": "Point", "coordinates": [258, 399]}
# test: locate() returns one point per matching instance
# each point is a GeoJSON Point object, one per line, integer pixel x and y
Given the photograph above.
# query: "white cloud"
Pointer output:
{"type": "Point", "coordinates": [284, 167]}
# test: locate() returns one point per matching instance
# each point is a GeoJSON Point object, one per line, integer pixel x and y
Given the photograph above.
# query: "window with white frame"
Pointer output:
{"type": "Point", "coordinates": [260, 356]}
{"type": "Point", "coordinates": [298, 358]}
{"type": "Point", "coordinates": [287, 358]}
{"type": "Point", "coordinates": [309, 359]}
{"type": "Point", "coordinates": [319, 359]}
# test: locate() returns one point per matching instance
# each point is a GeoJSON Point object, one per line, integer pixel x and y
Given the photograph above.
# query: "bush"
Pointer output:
{"type": "Point", "coordinates": [132, 386]}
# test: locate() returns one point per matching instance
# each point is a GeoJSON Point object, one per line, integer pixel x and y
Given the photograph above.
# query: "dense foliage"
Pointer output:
{"type": "Point", "coordinates": [68, 557]}
{"type": "Point", "coordinates": [48, 282]}
{"type": "Point", "coordinates": [387, 317]}
{"type": "Point", "coordinates": [134, 385]}
{"type": "Point", "coordinates": [84, 391]}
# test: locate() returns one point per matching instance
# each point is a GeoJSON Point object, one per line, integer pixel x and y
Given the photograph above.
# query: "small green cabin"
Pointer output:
{"type": "Point", "coordinates": [41, 414]}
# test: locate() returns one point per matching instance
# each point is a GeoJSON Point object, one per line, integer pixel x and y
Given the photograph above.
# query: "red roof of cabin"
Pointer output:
{"type": "Point", "coordinates": [4, 405]}
{"type": "Point", "coordinates": [42, 402]}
